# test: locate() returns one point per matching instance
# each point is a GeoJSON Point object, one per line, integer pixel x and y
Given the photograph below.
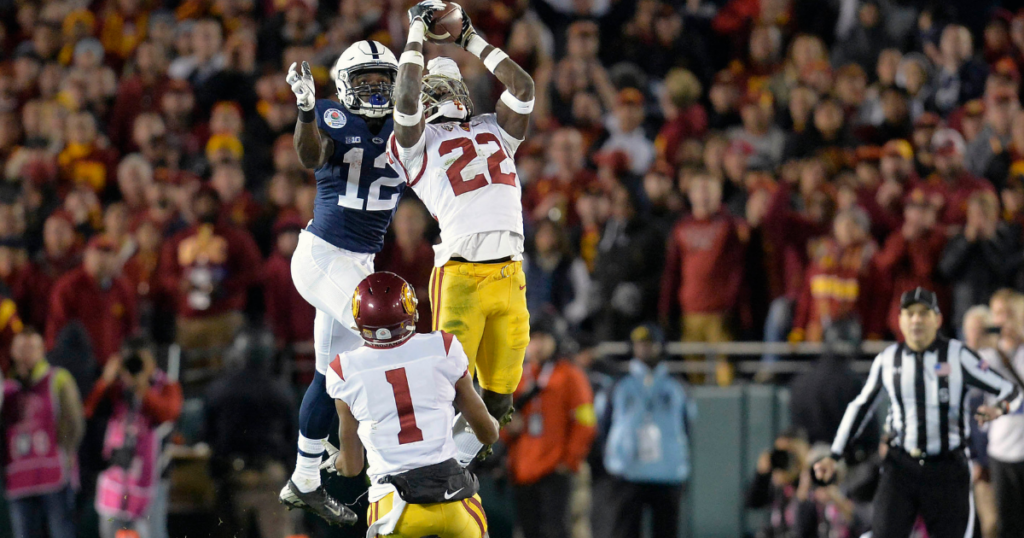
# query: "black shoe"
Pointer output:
{"type": "Point", "coordinates": [320, 503]}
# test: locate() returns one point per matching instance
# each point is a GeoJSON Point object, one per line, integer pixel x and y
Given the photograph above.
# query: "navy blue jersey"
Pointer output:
{"type": "Point", "coordinates": [357, 191]}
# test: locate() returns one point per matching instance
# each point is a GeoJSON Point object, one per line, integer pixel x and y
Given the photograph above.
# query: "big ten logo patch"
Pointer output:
{"type": "Point", "coordinates": [203, 248]}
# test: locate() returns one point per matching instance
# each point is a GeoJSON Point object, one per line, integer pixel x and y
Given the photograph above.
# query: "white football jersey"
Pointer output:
{"type": "Point", "coordinates": [465, 175]}
{"type": "Point", "coordinates": [402, 398]}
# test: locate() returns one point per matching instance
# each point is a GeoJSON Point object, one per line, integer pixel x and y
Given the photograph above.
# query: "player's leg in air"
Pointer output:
{"type": "Point", "coordinates": [357, 192]}
{"type": "Point", "coordinates": [478, 288]}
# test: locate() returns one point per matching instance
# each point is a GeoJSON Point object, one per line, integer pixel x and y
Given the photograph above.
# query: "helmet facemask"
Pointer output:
{"type": "Point", "coordinates": [445, 98]}
{"type": "Point", "coordinates": [371, 100]}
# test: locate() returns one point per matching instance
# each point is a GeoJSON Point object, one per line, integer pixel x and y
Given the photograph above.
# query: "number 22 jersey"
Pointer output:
{"type": "Point", "coordinates": [465, 175]}
{"type": "Point", "coordinates": [357, 190]}
{"type": "Point", "coordinates": [402, 397]}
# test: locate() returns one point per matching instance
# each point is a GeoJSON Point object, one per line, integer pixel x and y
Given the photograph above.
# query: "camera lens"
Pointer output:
{"type": "Point", "coordinates": [133, 364]}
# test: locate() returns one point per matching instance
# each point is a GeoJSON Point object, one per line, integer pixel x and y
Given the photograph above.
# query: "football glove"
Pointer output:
{"type": "Point", "coordinates": [424, 11]}
{"type": "Point", "coordinates": [302, 86]}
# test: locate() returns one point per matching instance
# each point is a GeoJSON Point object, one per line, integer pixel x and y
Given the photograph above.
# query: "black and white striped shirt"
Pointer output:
{"type": "Point", "coordinates": [927, 413]}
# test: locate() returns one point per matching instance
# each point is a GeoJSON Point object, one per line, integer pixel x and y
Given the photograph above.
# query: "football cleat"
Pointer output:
{"type": "Point", "coordinates": [320, 503]}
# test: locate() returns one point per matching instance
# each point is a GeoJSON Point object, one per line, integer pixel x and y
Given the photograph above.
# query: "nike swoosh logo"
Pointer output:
{"type": "Point", "coordinates": [523, 287]}
{"type": "Point", "coordinates": [448, 496]}
{"type": "Point", "coordinates": [333, 510]}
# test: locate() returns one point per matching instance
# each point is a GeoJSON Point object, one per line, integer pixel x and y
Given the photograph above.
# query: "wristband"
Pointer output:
{"type": "Point", "coordinates": [307, 116]}
{"type": "Point", "coordinates": [517, 106]}
{"type": "Point", "coordinates": [416, 31]}
{"type": "Point", "coordinates": [414, 57]}
{"type": "Point", "coordinates": [476, 45]}
{"type": "Point", "coordinates": [409, 120]}
{"type": "Point", "coordinates": [494, 58]}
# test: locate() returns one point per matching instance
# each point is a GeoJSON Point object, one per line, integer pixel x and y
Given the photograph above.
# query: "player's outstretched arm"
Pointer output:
{"type": "Point", "coordinates": [408, 109]}
{"type": "Point", "coordinates": [485, 427]}
{"type": "Point", "coordinates": [516, 102]}
{"type": "Point", "coordinates": [350, 456]}
{"type": "Point", "coordinates": [312, 145]}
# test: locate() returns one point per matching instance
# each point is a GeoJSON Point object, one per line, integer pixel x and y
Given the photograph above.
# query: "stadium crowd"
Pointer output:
{"type": "Point", "coordinates": [716, 170]}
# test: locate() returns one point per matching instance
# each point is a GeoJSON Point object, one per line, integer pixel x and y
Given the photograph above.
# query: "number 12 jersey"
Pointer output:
{"type": "Point", "coordinates": [402, 397]}
{"type": "Point", "coordinates": [357, 190]}
{"type": "Point", "coordinates": [465, 175]}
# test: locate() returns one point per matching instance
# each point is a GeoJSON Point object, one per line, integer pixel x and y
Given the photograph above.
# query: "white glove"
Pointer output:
{"type": "Point", "coordinates": [302, 86]}
{"type": "Point", "coordinates": [330, 465]}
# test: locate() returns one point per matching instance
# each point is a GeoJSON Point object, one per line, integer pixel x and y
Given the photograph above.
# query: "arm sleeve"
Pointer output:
{"type": "Point", "coordinates": [455, 363]}
{"type": "Point", "coordinates": [977, 374]}
{"type": "Point", "coordinates": [582, 420]}
{"type": "Point", "coordinates": [759, 492]}
{"type": "Point", "coordinates": [413, 161]}
{"type": "Point", "coordinates": [99, 392]}
{"type": "Point", "coordinates": [335, 382]}
{"type": "Point", "coordinates": [860, 409]}
{"type": "Point", "coordinates": [954, 257]}
{"type": "Point", "coordinates": [163, 403]}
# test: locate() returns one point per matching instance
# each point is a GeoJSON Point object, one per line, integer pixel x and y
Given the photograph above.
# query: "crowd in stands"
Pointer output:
{"type": "Point", "coordinates": [713, 170]}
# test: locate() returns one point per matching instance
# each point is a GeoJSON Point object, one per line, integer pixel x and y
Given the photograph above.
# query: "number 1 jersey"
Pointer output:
{"type": "Point", "coordinates": [465, 175]}
{"type": "Point", "coordinates": [402, 397]}
{"type": "Point", "coordinates": [357, 190]}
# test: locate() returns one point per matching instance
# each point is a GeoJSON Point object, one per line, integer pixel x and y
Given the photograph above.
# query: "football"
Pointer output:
{"type": "Point", "coordinates": [447, 24]}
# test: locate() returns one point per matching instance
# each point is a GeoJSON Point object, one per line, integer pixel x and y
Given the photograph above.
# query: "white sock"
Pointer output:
{"type": "Point", "coordinates": [465, 441]}
{"type": "Point", "coordinates": [307, 469]}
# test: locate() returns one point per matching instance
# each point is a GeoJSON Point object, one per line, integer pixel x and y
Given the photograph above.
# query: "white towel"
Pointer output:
{"type": "Point", "coordinates": [386, 525]}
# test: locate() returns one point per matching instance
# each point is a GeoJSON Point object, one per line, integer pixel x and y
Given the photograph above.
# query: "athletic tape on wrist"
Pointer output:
{"type": "Point", "coordinates": [494, 58]}
{"type": "Point", "coordinates": [476, 45]}
{"type": "Point", "coordinates": [416, 31]}
{"type": "Point", "coordinates": [411, 57]}
{"type": "Point", "coordinates": [520, 107]}
{"type": "Point", "coordinates": [409, 120]}
{"type": "Point", "coordinates": [307, 116]}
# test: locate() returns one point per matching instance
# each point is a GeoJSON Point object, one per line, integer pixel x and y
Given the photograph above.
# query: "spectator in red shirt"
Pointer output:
{"type": "Point", "coordinates": [951, 184]}
{"type": "Point", "coordinates": [140, 93]}
{"type": "Point", "coordinates": [704, 268]}
{"type": "Point", "coordinates": [238, 204]}
{"type": "Point", "coordinates": [841, 282]}
{"type": "Point", "coordinates": [910, 255]}
{"type": "Point", "coordinates": [83, 160]}
{"type": "Point", "coordinates": [94, 295]}
{"type": "Point", "coordinates": [554, 195]}
{"type": "Point", "coordinates": [409, 255]}
{"type": "Point", "coordinates": [288, 314]}
{"type": "Point", "coordinates": [209, 267]}
{"type": "Point", "coordinates": [685, 118]}
{"type": "Point", "coordinates": [58, 257]}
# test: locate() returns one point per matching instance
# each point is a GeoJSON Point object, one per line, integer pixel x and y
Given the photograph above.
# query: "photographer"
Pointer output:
{"type": "Point", "coordinates": [138, 398]}
{"type": "Point", "coordinates": [776, 483]}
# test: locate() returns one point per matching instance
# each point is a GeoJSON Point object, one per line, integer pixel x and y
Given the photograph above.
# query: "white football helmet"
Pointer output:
{"type": "Point", "coordinates": [369, 100]}
{"type": "Point", "coordinates": [444, 94]}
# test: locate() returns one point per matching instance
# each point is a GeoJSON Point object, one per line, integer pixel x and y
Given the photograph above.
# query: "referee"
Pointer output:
{"type": "Point", "coordinates": [926, 468]}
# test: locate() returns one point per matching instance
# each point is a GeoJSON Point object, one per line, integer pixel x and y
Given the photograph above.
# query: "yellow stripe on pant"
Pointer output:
{"type": "Point", "coordinates": [456, 519]}
{"type": "Point", "coordinates": [484, 305]}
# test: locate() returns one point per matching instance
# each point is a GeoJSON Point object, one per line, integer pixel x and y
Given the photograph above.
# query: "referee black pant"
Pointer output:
{"type": "Point", "coordinates": [939, 490]}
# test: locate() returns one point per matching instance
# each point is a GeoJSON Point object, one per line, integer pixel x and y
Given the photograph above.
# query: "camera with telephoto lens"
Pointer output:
{"type": "Point", "coordinates": [133, 364]}
{"type": "Point", "coordinates": [781, 459]}
{"type": "Point", "coordinates": [993, 329]}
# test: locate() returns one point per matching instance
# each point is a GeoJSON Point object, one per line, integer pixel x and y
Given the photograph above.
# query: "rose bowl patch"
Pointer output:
{"type": "Point", "coordinates": [334, 118]}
